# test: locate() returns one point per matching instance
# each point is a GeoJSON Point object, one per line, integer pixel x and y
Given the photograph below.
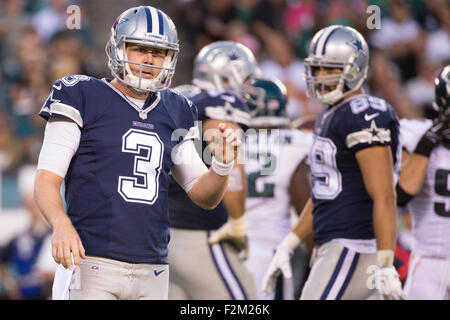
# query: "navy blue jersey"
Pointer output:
{"type": "Point", "coordinates": [184, 213]}
{"type": "Point", "coordinates": [342, 206]}
{"type": "Point", "coordinates": [21, 255]}
{"type": "Point", "coordinates": [117, 182]}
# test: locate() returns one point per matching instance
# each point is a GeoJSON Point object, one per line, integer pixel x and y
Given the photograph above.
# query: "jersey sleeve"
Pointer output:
{"type": "Point", "coordinates": [411, 131]}
{"type": "Point", "coordinates": [186, 121]}
{"type": "Point", "coordinates": [371, 127]}
{"type": "Point", "coordinates": [226, 106]}
{"type": "Point", "coordinates": [65, 99]}
{"type": "Point", "coordinates": [191, 120]}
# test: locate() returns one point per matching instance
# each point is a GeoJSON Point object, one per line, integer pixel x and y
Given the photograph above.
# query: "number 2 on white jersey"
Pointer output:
{"type": "Point", "coordinates": [147, 166]}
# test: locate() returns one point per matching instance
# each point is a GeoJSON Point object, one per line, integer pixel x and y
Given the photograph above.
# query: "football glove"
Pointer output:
{"type": "Point", "coordinates": [389, 284]}
{"type": "Point", "coordinates": [234, 232]}
{"type": "Point", "coordinates": [388, 281]}
{"type": "Point", "coordinates": [438, 132]}
{"type": "Point", "coordinates": [280, 263]}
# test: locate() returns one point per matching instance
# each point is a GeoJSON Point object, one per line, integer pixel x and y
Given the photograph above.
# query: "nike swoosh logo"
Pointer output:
{"type": "Point", "coordinates": [369, 117]}
{"type": "Point", "coordinates": [56, 87]}
{"type": "Point", "coordinates": [157, 273]}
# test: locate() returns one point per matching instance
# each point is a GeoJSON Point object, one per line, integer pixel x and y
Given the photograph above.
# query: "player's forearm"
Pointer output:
{"type": "Point", "coordinates": [209, 190]}
{"type": "Point", "coordinates": [413, 173]}
{"type": "Point", "coordinates": [377, 171]}
{"type": "Point", "coordinates": [48, 197]}
{"type": "Point", "coordinates": [234, 198]}
{"type": "Point", "coordinates": [235, 203]}
{"type": "Point", "coordinates": [304, 225]}
{"type": "Point", "coordinates": [385, 221]}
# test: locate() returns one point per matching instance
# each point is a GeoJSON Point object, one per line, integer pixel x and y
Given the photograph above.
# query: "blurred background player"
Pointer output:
{"type": "Point", "coordinates": [213, 241]}
{"type": "Point", "coordinates": [423, 186]}
{"type": "Point", "coordinates": [354, 156]}
{"type": "Point", "coordinates": [21, 262]}
{"type": "Point", "coordinates": [112, 141]}
{"type": "Point", "coordinates": [277, 178]}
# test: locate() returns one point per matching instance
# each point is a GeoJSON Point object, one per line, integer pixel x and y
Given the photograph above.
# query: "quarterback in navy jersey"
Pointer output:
{"type": "Point", "coordinates": [355, 159]}
{"type": "Point", "coordinates": [215, 270]}
{"type": "Point", "coordinates": [115, 143]}
{"type": "Point", "coordinates": [222, 105]}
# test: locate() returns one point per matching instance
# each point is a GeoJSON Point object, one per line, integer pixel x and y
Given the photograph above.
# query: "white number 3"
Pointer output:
{"type": "Point", "coordinates": [147, 166]}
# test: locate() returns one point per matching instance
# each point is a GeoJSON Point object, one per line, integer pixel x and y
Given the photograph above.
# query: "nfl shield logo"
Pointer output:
{"type": "Point", "coordinates": [94, 269]}
{"type": "Point", "coordinates": [143, 115]}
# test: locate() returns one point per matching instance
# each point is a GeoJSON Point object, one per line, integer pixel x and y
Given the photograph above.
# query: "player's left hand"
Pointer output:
{"type": "Point", "coordinates": [225, 143]}
{"type": "Point", "coordinates": [233, 232]}
{"type": "Point", "coordinates": [389, 284]}
{"type": "Point", "coordinates": [280, 263]}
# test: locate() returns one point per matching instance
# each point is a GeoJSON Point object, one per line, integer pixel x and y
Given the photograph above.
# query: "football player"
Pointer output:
{"type": "Point", "coordinates": [113, 144]}
{"type": "Point", "coordinates": [214, 241]}
{"type": "Point", "coordinates": [352, 213]}
{"type": "Point", "coordinates": [424, 187]}
{"type": "Point", "coordinates": [277, 177]}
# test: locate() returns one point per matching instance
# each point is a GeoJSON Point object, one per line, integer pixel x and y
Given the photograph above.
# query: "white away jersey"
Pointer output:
{"type": "Point", "coordinates": [271, 159]}
{"type": "Point", "coordinates": [430, 208]}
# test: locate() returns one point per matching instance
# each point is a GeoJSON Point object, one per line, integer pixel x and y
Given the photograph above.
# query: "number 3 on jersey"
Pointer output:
{"type": "Point", "coordinates": [147, 166]}
{"type": "Point", "coordinates": [327, 180]}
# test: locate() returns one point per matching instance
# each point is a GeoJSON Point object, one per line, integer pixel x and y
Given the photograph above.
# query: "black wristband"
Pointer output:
{"type": "Point", "coordinates": [424, 147]}
{"type": "Point", "coordinates": [402, 196]}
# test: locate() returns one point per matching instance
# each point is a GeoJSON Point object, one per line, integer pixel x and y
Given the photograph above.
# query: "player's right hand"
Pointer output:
{"type": "Point", "coordinates": [389, 284]}
{"type": "Point", "coordinates": [234, 232]}
{"type": "Point", "coordinates": [225, 143]}
{"type": "Point", "coordinates": [66, 244]}
{"type": "Point", "coordinates": [281, 263]}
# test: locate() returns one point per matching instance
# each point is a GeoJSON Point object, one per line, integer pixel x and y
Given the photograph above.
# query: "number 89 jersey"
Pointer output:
{"type": "Point", "coordinates": [342, 206]}
{"type": "Point", "coordinates": [117, 181]}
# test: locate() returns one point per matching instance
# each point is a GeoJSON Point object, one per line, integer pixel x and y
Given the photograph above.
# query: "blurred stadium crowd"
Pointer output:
{"type": "Point", "coordinates": [37, 48]}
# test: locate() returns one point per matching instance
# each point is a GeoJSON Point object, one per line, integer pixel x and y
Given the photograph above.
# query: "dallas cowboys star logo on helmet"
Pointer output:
{"type": "Point", "coordinates": [233, 55]}
{"type": "Point", "coordinates": [357, 44]}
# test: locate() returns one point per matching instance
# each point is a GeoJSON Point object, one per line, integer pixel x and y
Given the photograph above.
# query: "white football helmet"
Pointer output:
{"type": "Point", "coordinates": [146, 26]}
{"type": "Point", "coordinates": [187, 90]}
{"type": "Point", "coordinates": [225, 65]}
{"type": "Point", "coordinates": [336, 47]}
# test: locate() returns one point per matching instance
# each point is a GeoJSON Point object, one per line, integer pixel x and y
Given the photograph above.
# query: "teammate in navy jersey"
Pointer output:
{"type": "Point", "coordinates": [114, 143]}
{"type": "Point", "coordinates": [354, 158]}
{"type": "Point", "coordinates": [214, 270]}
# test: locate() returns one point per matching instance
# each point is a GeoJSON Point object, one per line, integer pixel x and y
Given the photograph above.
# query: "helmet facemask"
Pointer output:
{"type": "Point", "coordinates": [328, 89]}
{"type": "Point", "coordinates": [331, 88]}
{"type": "Point", "coordinates": [122, 70]}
